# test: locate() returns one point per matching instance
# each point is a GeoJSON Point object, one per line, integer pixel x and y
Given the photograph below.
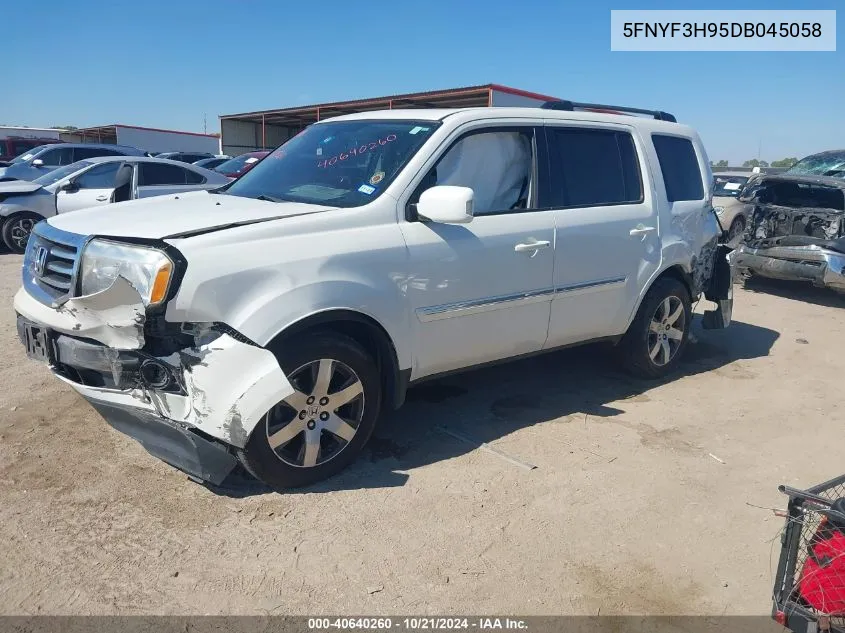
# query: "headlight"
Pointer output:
{"type": "Point", "coordinates": [149, 270]}
{"type": "Point", "coordinates": [719, 210]}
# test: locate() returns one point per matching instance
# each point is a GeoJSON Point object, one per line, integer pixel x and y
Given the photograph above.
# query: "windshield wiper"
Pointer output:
{"type": "Point", "coordinates": [267, 198]}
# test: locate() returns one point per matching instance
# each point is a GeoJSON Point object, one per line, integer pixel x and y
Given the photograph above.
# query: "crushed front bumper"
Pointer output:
{"type": "Point", "coordinates": [219, 390]}
{"type": "Point", "coordinates": [821, 266]}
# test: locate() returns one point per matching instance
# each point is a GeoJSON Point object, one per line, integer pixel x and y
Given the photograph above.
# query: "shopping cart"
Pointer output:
{"type": "Point", "coordinates": [809, 591]}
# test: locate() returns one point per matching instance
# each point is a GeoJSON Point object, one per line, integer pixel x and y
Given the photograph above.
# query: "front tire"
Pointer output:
{"type": "Point", "coordinates": [323, 426]}
{"type": "Point", "coordinates": [655, 341]}
{"type": "Point", "coordinates": [17, 228]}
{"type": "Point", "coordinates": [736, 231]}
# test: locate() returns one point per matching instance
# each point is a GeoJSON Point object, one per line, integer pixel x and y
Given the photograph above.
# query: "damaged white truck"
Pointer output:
{"type": "Point", "coordinates": [271, 320]}
{"type": "Point", "coordinates": [796, 229]}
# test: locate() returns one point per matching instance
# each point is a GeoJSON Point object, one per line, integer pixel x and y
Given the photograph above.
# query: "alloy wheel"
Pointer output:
{"type": "Point", "coordinates": [320, 418]}
{"type": "Point", "coordinates": [20, 230]}
{"type": "Point", "coordinates": [666, 330]}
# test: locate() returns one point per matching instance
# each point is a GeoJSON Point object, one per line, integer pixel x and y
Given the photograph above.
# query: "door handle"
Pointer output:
{"type": "Point", "coordinates": [641, 230]}
{"type": "Point", "coordinates": [527, 247]}
{"type": "Point", "coordinates": [101, 198]}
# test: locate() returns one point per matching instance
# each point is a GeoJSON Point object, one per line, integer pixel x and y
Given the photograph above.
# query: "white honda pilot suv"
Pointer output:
{"type": "Point", "coordinates": [271, 320]}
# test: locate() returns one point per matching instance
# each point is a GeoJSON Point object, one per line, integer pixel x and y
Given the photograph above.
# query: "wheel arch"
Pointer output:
{"type": "Point", "coordinates": [674, 271]}
{"type": "Point", "coordinates": [367, 332]}
{"type": "Point", "coordinates": [6, 220]}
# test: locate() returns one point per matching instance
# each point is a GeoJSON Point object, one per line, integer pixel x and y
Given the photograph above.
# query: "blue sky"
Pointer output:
{"type": "Point", "coordinates": [167, 63]}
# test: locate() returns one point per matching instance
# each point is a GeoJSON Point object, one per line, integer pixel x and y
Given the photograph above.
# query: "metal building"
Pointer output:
{"type": "Point", "coordinates": [146, 138]}
{"type": "Point", "coordinates": [267, 129]}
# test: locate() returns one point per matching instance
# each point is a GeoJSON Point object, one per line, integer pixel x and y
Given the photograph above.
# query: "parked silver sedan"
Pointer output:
{"type": "Point", "coordinates": [90, 183]}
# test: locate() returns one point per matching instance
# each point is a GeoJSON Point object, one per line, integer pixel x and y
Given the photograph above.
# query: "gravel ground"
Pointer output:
{"type": "Point", "coordinates": [628, 511]}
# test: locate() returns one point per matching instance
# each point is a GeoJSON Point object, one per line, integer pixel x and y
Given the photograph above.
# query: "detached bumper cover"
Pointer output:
{"type": "Point", "coordinates": [175, 445]}
{"type": "Point", "coordinates": [821, 266]}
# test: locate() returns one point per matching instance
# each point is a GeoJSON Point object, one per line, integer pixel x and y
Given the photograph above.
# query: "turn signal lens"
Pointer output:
{"type": "Point", "coordinates": [161, 283]}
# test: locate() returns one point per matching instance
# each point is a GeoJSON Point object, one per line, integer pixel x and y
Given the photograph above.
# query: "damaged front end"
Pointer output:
{"type": "Point", "coordinates": [796, 230]}
{"type": "Point", "coordinates": [187, 392]}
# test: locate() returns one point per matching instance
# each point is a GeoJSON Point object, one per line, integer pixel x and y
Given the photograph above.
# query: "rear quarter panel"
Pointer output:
{"type": "Point", "coordinates": [686, 227]}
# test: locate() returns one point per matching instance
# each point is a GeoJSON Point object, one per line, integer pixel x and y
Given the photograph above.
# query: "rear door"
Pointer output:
{"type": "Point", "coordinates": [156, 179]}
{"type": "Point", "coordinates": [607, 243]}
{"type": "Point", "coordinates": [93, 188]}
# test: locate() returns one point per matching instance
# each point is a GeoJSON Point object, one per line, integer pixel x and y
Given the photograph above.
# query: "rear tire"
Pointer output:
{"type": "Point", "coordinates": [319, 430]}
{"type": "Point", "coordinates": [655, 341]}
{"type": "Point", "coordinates": [17, 228]}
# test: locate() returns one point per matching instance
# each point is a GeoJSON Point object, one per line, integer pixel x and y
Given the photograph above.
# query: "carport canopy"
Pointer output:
{"type": "Point", "coordinates": [269, 128]}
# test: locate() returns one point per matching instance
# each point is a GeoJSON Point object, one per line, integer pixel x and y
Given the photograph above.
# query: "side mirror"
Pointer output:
{"type": "Point", "coordinates": [37, 162]}
{"type": "Point", "coordinates": [69, 187]}
{"type": "Point", "coordinates": [446, 204]}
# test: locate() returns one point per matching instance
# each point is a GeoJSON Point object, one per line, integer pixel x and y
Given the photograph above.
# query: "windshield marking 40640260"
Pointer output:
{"type": "Point", "coordinates": [356, 150]}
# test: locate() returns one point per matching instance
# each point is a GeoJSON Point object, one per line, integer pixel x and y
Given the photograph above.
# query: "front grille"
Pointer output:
{"type": "Point", "coordinates": [50, 263]}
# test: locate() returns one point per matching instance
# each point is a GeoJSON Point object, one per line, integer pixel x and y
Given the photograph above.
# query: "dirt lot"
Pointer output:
{"type": "Point", "coordinates": [626, 510]}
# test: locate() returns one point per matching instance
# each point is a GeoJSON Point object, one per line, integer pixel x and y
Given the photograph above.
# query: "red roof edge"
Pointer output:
{"type": "Point", "coordinates": [523, 93]}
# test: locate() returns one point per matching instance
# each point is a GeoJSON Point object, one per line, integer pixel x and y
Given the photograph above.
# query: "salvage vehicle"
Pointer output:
{"type": "Point", "coordinates": [185, 157]}
{"type": "Point", "coordinates": [272, 320]}
{"type": "Point", "coordinates": [733, 214]}
{"type": "Point", "coordinates": [13, 146]}
{"type": "Point", "coordinates": [44, 159]}
{"type": "Point", "coordinates": [796, 230]}
{"type": "Point", "coordinates": [212, 163]}
{"type": "Point", "coordinates": [238, 166]}
{"type": "Point", "coordinates": [91, 183]}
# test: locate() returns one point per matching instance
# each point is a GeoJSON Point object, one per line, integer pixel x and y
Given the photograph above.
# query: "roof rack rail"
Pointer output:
{"type": "Point", "coordinates": [570, 106]}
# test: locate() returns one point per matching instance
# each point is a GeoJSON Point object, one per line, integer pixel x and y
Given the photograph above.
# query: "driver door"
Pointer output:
{"type": "Point", "coordinates": [90, 189]}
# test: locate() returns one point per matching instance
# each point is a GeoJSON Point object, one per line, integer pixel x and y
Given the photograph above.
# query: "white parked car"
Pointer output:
{"type": "Point", "coordinates": [273, 320]}
{"type": "Point", "coordinates": [91, 183]}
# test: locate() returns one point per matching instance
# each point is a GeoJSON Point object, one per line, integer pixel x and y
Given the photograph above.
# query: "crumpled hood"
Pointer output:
{"type": "Point", "coordinates": [176, 215]}
{"type": "Point", "coordinates": [18, 186]}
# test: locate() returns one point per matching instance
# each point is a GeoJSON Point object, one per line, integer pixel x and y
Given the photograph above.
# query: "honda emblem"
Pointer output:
{"type": "Point", "coordinates": [40, 260]}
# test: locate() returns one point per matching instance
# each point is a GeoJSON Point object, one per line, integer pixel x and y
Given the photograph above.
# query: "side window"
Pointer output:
{"type": "Point", "coordinates": [679, 166]}
{"type": "Point", "coordinates": [99, 177]}
{"type": "Point", "coordinates": [57, 157]}
{"type": "Point", "coordinates": [496, 165]}
{"type": "Point", "coordinates": [194, 178]}
{"type": "Point", "coordinates": [592, 167]}
{"type": "Point", "coordinates": [160, 174]}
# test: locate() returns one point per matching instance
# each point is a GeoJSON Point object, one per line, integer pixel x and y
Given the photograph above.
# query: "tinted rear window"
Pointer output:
{"type": "Point", "coordinates": [161, 174]}
{"type": "Point", "coordinates": [679, 166]}
{"type": "Point", "coordinates": [593, 167]}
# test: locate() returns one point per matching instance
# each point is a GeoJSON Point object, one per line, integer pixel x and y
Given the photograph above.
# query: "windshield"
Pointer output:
{"type": "Point", "coordinates": [828, 164]}
{"type": "Point", "coordinates": [235, 165]}
{"type": "Point", "coordinates": [62, 172]}
{"type": "Point", "coordinates": [728, 186]}
{"type": "Point", "coordinates": [342, 164]}
{"type": "Point", "coordinates": [28, 154]}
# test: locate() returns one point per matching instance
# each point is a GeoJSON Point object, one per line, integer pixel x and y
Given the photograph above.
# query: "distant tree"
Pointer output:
{"type": "Point", "coordinates": [719, 163]}
{"type": "Point", "coordinates": [784, 162]}
{"type": "Point", "coordinates": [755, 163]}
{"type": "Point", "coordinates": [70, 128]}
